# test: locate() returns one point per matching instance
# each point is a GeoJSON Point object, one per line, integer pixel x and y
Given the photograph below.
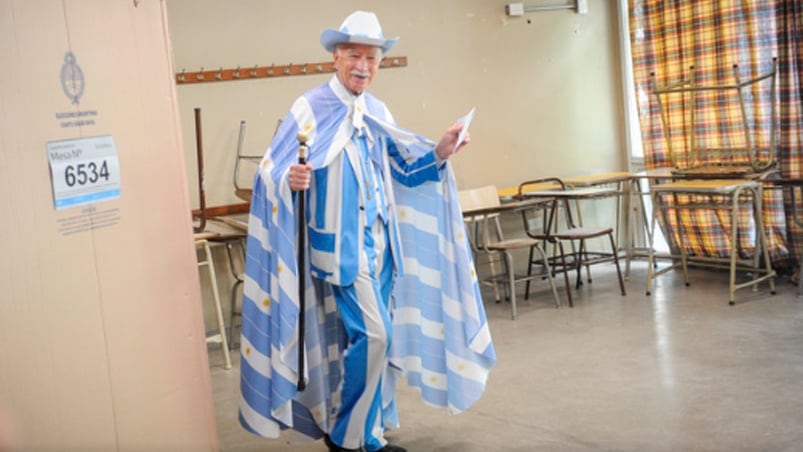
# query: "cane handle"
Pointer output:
{"type": "Point", "coordinates": [302, 147]}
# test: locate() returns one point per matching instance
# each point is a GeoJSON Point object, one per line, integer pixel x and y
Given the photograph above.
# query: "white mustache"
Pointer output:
{"type": "Point", "coordinates": [360, 74]}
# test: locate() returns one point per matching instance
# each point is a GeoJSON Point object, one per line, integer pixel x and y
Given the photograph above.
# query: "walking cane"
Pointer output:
{"type": "Point", "coordinates": [302, 236]}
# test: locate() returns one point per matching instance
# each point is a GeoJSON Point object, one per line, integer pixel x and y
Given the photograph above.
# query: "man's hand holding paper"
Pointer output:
{"type": "Point", "coordinates": [455, 137]}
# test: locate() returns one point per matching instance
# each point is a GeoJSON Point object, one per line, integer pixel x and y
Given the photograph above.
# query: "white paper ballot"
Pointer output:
{"type": "Point", "coordinates": [466, 121]}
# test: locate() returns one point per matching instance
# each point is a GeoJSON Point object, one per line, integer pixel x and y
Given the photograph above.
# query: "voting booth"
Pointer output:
{"type": "Point", "coordinates": [101, 331]}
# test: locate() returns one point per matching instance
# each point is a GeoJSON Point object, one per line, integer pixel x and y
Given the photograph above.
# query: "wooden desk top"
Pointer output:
{"type": "Point", "coordinates": [704, 186]}
{"type": "Point", "coordinates": [657, 173]}
{"type": "Point", "coordinates": [669, 173]}
{"type": "Point", "coordinates": [588, 180]}
{"type": "Point", "coordinates": [510, 192]}
{"type": "Point", "coordinates": [575, 193]}
{"type": "Point", "coordinates": [228, 226]}
{"type": "Point", "coordinates": [512, 206]}
{"type": "Point", "coordinates": [599, 179]}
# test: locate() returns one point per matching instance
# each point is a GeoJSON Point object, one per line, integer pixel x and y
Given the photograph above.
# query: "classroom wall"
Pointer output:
{"type": "Point", "coordinates": [102, 343]}
{"type": "Point", "coordinates": [546, 85]}
{"type": "Point", "coordinates": [101, 334]}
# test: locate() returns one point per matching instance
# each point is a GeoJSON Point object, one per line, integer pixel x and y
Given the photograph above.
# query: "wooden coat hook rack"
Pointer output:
{"type": "Point", "coordinates": [241, 73]}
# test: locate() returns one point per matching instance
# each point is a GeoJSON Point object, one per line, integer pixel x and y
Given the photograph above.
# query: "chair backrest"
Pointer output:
{"type": "Point", "coordinates": [480, 197]}
{"type": "Point", "coordinates": [544, 183]}
{"type": "Point", "coordinates": [244, 191]}
{"type": "Point", "coordinates": [548, 220]}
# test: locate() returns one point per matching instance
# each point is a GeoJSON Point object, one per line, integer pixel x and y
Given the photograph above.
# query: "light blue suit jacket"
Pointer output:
{"type": "Point", "coordinates": [336, 205]}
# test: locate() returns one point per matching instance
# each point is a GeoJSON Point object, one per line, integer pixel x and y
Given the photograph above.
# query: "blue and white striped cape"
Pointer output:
{"type": "Point", "coordinates": [441, 342]}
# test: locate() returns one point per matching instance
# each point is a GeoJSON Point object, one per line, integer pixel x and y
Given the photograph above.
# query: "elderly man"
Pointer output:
{"type": "Point", "coordinates": [369, 185]}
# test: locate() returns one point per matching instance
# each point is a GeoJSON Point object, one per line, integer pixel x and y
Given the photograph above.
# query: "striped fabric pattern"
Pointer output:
{"type": "Point", "coordinates": [441, 340]}
{"type": "Point", "coordinates": [668, 38]}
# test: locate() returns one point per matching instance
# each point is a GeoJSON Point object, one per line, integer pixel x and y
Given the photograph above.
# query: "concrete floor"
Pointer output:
{"type": "Point", "coordinates": [677, 371]}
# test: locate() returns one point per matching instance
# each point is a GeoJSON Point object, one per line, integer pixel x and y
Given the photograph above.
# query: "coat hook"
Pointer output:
{"type": "Point", "coordinates": [287, 69]}
{"type": "Point", "coordinates": [201, 73]}
{"type": "Point", "coordinates": [254, 71]}
{"type": "Point", "coordinates": [304, 68]}
{"type": "Point", "coordinates": [395, 61]}
{"type": "Point", "coordinates": [236, 73]}
{"type": "Point", "coordinates": [181, 76]}
{"type": "Point", "coordinates": [270, 69]}
{"type": "Point", "coordinates": [219, 74]}
{"type": "Point", "coordinates": [319, 68]}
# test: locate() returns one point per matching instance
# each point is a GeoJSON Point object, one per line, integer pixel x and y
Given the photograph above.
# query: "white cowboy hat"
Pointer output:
{"type": "Point", "coordinates": [360, 27]}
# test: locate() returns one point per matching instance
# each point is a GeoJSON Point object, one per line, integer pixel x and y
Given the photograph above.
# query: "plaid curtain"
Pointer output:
{"type": "Point", "coordinates": [716, 43]}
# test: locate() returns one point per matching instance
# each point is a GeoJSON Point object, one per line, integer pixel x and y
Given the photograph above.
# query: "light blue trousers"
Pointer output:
{"type": "Point", "coordinates": [364, 308]}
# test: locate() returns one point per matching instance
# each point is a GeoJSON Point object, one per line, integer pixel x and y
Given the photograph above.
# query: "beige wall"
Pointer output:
{"type": "Point", "coordinates": [546, 85]}
{"type": "Point", "coordinates": [101, 336]}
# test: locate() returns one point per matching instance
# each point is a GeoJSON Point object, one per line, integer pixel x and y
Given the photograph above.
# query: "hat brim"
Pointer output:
{"type": "Point", "coordinates": [331, 38]}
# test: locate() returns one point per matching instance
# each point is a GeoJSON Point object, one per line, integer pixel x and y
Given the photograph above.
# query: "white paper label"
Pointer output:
{"type": "Point", "coordinates": [83, 171]}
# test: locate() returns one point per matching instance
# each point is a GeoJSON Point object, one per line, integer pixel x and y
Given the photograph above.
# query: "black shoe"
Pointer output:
{"type": "Point", "coordinates": [392, 448]}
{"type": "Point", "coordinates": [335, 448]}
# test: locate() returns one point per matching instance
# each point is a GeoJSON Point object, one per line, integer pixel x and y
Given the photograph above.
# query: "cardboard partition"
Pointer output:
{"type": "Point", "coordinates": [101, 334]}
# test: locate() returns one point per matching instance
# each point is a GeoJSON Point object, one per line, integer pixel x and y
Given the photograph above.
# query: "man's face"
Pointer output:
{"type": "Point", "coordinates": [356, 65]}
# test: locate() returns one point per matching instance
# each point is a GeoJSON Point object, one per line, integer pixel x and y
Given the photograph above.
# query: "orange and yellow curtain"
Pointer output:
{"type": "Point", "coordinates": [717, 42]}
